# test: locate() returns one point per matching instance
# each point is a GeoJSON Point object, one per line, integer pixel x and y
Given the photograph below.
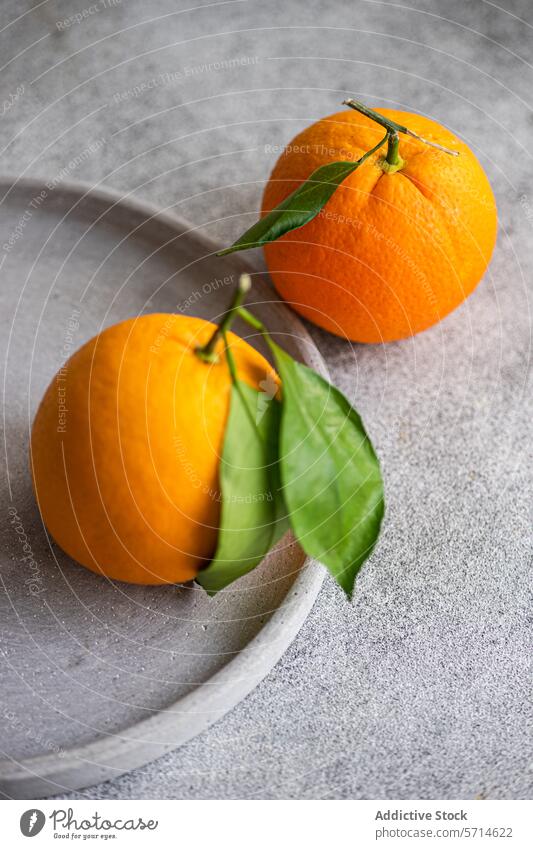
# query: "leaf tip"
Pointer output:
{"type": "Point", "coordinates": [348, 587]}
{"type": "Point", "coordinates": [209, 590]}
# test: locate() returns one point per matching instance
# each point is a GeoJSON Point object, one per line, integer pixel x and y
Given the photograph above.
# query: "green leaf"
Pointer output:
{"type": "Point", "coordinates": [253, 516]}
{"type": "Point", "coordinates": [331, 479]}
{"type": "Point", "coordinates": [301, 206]}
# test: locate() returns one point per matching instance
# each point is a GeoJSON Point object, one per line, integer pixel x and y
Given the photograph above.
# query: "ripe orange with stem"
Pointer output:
{"type": "Point", "coordinates": [403, 240]}
{"type": "Point", "coordinates": [127, 480]}
{"type": "Point", "coordinates": [155, 461]}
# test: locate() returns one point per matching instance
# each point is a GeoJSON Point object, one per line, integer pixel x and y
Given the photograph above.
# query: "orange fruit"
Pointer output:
{"type": "Point", "coordinates": [125, 448]}
{"type": "Point", "coordinates": [389, 254]}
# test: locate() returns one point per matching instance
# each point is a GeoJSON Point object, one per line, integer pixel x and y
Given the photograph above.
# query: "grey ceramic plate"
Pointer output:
{"type": "Point", "coordinates": [98, 678]}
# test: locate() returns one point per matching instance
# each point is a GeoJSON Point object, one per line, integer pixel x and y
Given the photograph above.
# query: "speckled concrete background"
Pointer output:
{"type": "Point", "coordinates": [419, 688]}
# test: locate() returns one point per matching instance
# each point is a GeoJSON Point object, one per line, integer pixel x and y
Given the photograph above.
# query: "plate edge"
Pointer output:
{"type": "Point", "coordinates": [91, 763]}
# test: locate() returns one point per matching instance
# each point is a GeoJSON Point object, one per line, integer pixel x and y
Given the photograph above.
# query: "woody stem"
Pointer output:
{"type": "Point", "coordinates": [393, 129]}
{"type": "Point", "coordinates": [393, 156]}
{"type": "Point", "coordinates": [207, 352]}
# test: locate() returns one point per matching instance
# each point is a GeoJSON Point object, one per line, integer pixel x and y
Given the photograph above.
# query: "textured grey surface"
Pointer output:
{"type": "Point", "coordinates": [419, 688]}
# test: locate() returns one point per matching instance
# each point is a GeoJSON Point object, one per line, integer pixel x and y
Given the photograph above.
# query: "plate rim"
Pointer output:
{"type": "Point", "coordinates": [108, 757]}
